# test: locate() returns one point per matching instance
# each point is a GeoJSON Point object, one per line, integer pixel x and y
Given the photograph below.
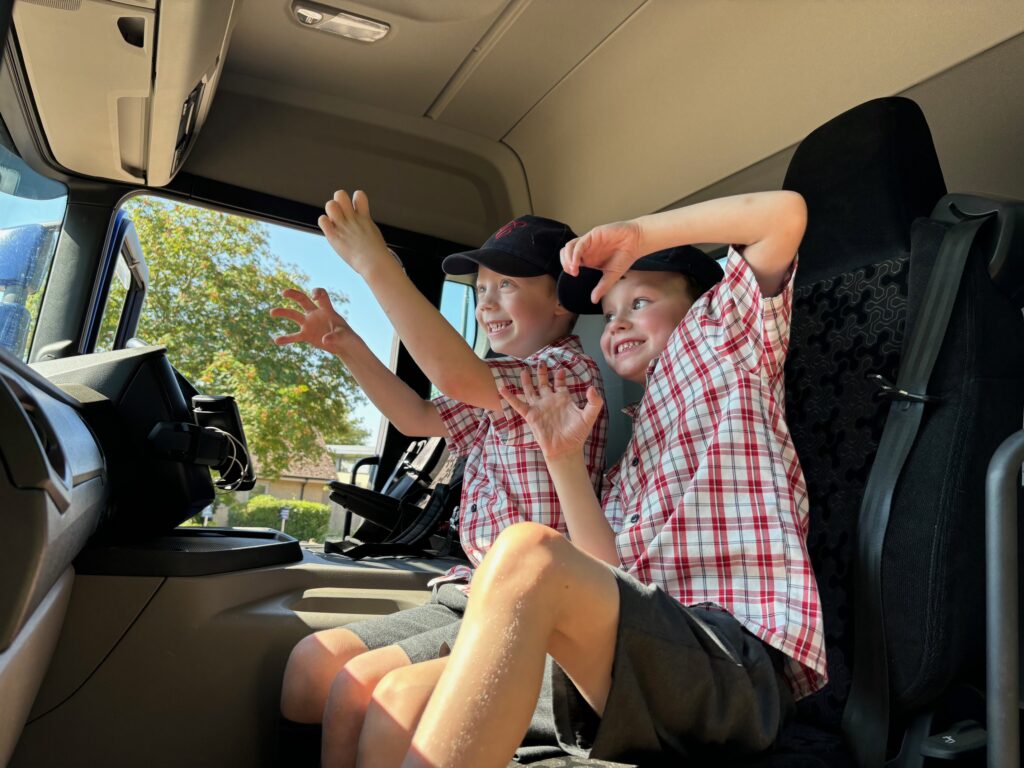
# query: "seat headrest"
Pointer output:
{"type": "Point", "coordinates": [866, 175]}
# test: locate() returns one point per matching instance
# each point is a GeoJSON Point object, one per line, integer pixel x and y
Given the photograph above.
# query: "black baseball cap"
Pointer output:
{"type": "Point", "coordinates": [703, 271]}
{"type": "Point", "coordinates": [525, 247]}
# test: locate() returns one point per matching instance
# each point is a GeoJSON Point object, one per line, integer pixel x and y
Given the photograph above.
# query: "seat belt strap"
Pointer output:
{"type": "Point", "coordinates": [866, 716]}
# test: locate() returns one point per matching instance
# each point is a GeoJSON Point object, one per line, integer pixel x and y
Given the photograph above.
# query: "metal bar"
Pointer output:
{"type": "Point", "coordinates": [1001, 619]}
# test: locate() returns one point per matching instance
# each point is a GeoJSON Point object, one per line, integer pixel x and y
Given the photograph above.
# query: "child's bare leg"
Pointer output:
{"type": "Point", "coordinates": [534, 593]}
{"type": "Point", "coordinates": [349, 697]}
{"type": "Point", "coordinates": [398, 702]}
{"type": "Point", "coordinates": [312, 666]}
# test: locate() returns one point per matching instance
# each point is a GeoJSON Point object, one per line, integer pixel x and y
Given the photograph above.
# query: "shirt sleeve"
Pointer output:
{"type": "Point", "coordinates": [509, 426]}
{"type": "Point", "coordinates": [462, 422]}
{"type": "Point", "coordinates": [742, 324]}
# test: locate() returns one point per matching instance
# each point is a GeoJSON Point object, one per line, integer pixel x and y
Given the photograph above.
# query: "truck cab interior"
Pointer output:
{"type": "Point", "coordinates": [125, 638]}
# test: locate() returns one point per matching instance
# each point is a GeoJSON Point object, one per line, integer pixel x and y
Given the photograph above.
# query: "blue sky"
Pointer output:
{"type": "Point", "coordinates": [311, 254]}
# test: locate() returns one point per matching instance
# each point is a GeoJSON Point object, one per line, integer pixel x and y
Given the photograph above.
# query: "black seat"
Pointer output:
{"type": "Point", "coordinates": [380, 510]}
{"type": "Point", "coordinates": [872, 180]}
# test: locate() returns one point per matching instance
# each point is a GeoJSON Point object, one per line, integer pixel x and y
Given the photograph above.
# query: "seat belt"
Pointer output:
{"type": "Point", "coordinates": [866, 715]}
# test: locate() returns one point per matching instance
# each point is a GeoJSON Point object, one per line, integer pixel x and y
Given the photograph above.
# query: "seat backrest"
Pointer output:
{"type": "Point", "coordinates": [416, 465]}
{"type": "Point", "coordinates": [871, 179]}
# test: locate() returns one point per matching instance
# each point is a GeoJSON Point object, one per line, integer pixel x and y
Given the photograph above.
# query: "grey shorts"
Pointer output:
{"type": "Point", "coordinates": [422, 631]}
{"type": "Point", "coordinates": [686, 683]}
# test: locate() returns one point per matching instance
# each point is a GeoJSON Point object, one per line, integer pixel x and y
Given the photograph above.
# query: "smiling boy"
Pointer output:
{"type": "Point", "coordinates": [332, 674]}
{"type": "Point", "coordinates": [708, 625]}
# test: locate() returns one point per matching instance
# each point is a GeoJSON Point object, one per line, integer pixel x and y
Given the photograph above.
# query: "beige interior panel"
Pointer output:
{"type": "Point", "coordinates": [419, 175]}
{"type": "Point", "coordinates": [193, 38]}
{"type": "Point", "coordinates": [196, 679]}
{"type": "Point", "coordinates": [719, 86]}
{"type": "Point", "coordinates": [24, 663]}
{"type": "Point", "coordinates": [93, 108]}
{"type": "Point", "coordinates": [403, 72]}
{"type": "Point", "coordinates": [975, 113]}
{"type": "Point", "coordinates": [537, 50]}
{"type": "Point", "coordinates": [101, 611]}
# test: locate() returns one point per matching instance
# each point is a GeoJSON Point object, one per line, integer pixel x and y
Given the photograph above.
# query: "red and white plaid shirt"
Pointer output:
{"type": "Point", "coordinates": [506, 480]}
{"type": "Point", "coordinates": [708, 500]}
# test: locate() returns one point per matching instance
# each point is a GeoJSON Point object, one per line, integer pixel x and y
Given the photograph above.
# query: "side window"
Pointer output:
{"type": "Point", "coordinates": [114, 308]}
{"type": "Point", "coordinates": [212, 280]}
{"type": "Point", "coordinates": [32, 211]}
{"type": "Point", "coordinates": [458, 306]}
{"type": "Point", "coordinates": [127, 289]}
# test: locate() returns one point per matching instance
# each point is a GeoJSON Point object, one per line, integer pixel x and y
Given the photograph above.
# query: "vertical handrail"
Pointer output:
{"type": "Point", "coordinates": [1001, 619]}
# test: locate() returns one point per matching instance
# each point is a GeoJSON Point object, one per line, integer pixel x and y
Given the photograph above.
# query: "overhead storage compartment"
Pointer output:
{"type": "Point", "coordinates": [122, 88]}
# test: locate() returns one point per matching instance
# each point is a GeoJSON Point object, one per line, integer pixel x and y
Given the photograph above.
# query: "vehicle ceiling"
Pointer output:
{"type": "Point", "coordinates": [471, 111]}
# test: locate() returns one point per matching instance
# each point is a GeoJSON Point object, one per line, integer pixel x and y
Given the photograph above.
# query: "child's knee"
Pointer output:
{"type": "Point", "coordinates": [323, 653]}
{"type": "Point", "coordinates": [391, 691]}
{"type": "Point", "coordinates": [312, 665]}
{"type": "Point", "coordinates": [525, 556]}
{"type": "Point", "coordinates": [360, 676]}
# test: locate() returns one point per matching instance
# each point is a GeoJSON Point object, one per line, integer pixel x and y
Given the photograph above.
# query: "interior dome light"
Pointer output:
{"type": "Point", "coordinates": [349, 25]}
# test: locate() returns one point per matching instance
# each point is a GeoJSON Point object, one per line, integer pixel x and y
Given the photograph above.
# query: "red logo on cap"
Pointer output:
{"type": "Point", "coordinates": [507, 229]}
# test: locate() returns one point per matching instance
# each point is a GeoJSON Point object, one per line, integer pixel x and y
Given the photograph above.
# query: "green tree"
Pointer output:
{"type": "Point", "coordinates": [213, 280]}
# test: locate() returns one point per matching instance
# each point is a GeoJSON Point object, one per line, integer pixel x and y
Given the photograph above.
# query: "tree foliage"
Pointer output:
{"type": "Point", "coordinates": [213, 280]}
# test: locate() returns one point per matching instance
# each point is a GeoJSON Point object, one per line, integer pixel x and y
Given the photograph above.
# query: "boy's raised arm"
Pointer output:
{"type": "Point", "coordinates": [438, 349]}
{"type": "Point", "coordinates": [321, 325]}
{"type": "Point", "coordinates": [769, 224]}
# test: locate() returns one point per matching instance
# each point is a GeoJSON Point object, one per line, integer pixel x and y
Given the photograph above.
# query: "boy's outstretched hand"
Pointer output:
{"type": "Point", "coordinates": [612, 248]}
{"type": "Point", "coordinates": [558, 425]}
{"type": "Point", "coordinates": [347, 225]}
{"type": "Point", "coordinates": [319, 323]}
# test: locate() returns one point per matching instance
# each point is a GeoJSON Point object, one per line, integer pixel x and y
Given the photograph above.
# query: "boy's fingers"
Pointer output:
{"type": "Point", "coordinates": [326, 225]}
{"type": "Point", "coordinates": [361, 203]}
{"type": "Point", "coordinates": [299, 298]}
{"type": "Point", "coordinates": [560, 385]}
{"type": "Point", "coordinates": [288, 313]}
{"type": "Point", "coordinates": [344, 204]}
{"type": "Point", "coordinates": [529, 393]}
{"type": "Point", "coordinates": [593, 407]}
{"type": "Point", "coordinates": [288, 339]}
{"type": "Point", "coordinates": [335, 217]}
{"type": "Point", "coordinates": [513, 400]}
{"type": "Point", "coordinates": [543, 380]}
{"type": "Point", "coordinates": [566, 257]}
{"type": "Point", "coordinates": [608, 279]}
{"type": "Point", "coordinates": [322, 298]}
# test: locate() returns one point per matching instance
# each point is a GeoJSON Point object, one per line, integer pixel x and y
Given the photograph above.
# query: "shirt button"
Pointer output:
{"type": "Point", "coordinates": [472, 507]}
{"type": "Point", "coordinates": [634, 518]}
{"type": "Point", "coordinates": [635, 462]}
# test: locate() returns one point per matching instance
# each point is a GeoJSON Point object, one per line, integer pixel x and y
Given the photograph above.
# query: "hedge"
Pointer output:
{"type": "Point", "coordinates": [306, 519]}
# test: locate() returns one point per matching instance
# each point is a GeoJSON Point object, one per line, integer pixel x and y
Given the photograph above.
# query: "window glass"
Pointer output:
{"type": "Point", "coordinates": [458, 306]}
{"type": "Point", "coordinates": [213, 277]}
{"type": "Point", "coordinates": [114, 307]}
{"type": "Point", "coordinates": [32, 211]}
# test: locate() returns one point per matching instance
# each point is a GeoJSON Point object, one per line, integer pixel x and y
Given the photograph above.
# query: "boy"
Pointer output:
{"type": "Point", "coordinates": [331, 674]}
{"type": "Point", "coordinates": [711, 621]}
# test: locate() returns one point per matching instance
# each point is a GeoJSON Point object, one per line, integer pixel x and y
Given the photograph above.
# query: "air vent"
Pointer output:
{"type": "Point", "coordinates": [43, 431]}
{"type": "Point", "coordinates": [60, 5]}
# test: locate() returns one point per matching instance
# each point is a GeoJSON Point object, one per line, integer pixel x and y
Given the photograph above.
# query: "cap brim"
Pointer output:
{"type": "Point", "coordinates": [699, 267]}
{"type": "Point", "coordinates": [501, 262]}
{"type": "Point", "coordinates": [574, 292]}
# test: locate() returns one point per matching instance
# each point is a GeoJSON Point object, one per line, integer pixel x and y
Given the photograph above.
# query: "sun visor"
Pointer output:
{"type": "Point", "coordinates": [122, 88]}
